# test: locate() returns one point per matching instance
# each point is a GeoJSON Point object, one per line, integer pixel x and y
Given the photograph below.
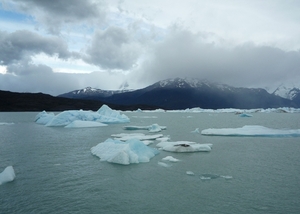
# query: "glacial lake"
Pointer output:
{"type": "Point", "coordinates": [56, 172]}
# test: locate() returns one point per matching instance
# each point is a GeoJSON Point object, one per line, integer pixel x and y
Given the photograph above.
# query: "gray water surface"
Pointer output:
{"type": "Point", "coordinates": [56, 173]}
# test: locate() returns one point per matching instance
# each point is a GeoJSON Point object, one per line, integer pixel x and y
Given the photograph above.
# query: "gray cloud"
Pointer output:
{"type": "Point", "coordinates": [55, 13]}
{"type": "Point", "coordinates": [113, 48]}
{"type": "Point", "coordinates": [28, 77]}
{"type": "Point", "coordinates": [185, 54]}
{"type": "Point", "coordinates": [22, 45]}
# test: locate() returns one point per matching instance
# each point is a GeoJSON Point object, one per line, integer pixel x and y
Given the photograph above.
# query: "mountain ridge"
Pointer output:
{"type": "Point", "coordinates": [181, 93]}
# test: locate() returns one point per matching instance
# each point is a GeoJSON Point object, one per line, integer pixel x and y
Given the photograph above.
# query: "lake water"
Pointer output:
{"type": "Point", "coordinates": [56, 172]}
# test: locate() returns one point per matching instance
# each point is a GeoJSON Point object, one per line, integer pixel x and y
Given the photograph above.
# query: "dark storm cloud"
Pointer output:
{"type": "Point", "coordinates": [54, 13]}
{"type": "Point", "coordinates": [112, 48]}
{"type": "Point", "coordinates": [185, 54]}
{"type": "Point", "coordinates": [22, 45]}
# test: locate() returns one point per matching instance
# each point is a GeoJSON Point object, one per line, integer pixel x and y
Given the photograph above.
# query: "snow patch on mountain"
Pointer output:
{"type": "Point", "coordinates": [288, 92]}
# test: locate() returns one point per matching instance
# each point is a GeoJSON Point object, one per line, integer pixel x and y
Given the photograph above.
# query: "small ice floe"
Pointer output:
{"type": "Point", "coordinates": [152, 128]}
{"type": "Point", "coordinates": [7, 175]}
{"type": "Point", "coordinates": [227, 177]}
{"type": "Point", "coordinates": [125, 153]}
{"type": "Point", "coordinates": [6, 124]}
{"type": "Point", "coordinates": [209, 176]}
{"type": "Point", "coordinates": [84, 124]}
{"type": "Point", "coordinates": [190, 173]}
{"type": "Point", "coordinates": [170, 158]}
{"type": "Point", "coordinates": [214, 176]}
{"type": "Point", "coordinates": [245, 115]}
{"type": "Point", "coordinates": [196, 131]}
{"type": "Point", "coordinates": [163, 164]}
{"type": "Point", "coordinates": [252, 130]}
{"type": "Point", "coordinates": [139, 136]}
{"type": "Point", "coordinates": [184, 146]}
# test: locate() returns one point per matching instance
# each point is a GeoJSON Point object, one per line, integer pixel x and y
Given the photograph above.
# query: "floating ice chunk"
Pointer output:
{"type": "Point", "coordinates": [7, 175]}
{"type": "Point", "coordinates": [245, 115]}
{"type": "Point", "coordinates": [190, 173]}
{"type": "Point", "coordinates": [195, 131]}
{"type": "Point", "coordinates": [5, 124]}
{"type": "Point", "coordinates": [84, 124]}
{"type": "Point", "coordinates": [156, 128]}
{"type": "Point", "coordinates": [139, 136]}
{"type": "Point", "coordinates": [170, 158]}
{"type": "Point", "coordinates": [260, 131]}
{"type": "Point", "coordinates": [163, 164]}
{"type": "Point", "coordinates": [103, 115]}
{"type": "Point", "coordinates": [184, 146]}
{"type": "Point", "coordinates": [109, 115]}
{"type": "Point", "coordinates": [227, 177]}
{"type": "Point", "coordinates": [131, 151]}
{"type": "Point", "coordinates": [152, 128]}
{"type": "Point", "coordinates": [44, 117]}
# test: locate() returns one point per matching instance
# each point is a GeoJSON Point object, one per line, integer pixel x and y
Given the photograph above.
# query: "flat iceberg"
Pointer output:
{"type": "Point", "coordinates": [125, 153]}
{"type": "Point", "coordinates": [152, 128]}
{"type": "Point", "coordinates": [7, 175]}
{"type": "Point", "coordinates": [84, 124]}
{"type": "Point", "coordinates": [103, 115]}
{"type": "Point", "coordinates": [253, 130]}
{"type": "Point", "coordinates": [184, 146]}
{"type": "Point", "coordinates": [138, 136]}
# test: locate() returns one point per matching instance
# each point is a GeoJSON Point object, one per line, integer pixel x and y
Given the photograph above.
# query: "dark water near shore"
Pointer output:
{"type": "Point", "coordinates": [56, 173]}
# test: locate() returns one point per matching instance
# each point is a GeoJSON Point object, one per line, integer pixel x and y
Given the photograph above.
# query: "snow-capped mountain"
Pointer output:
{"type": "Point", "coordinates": [287, 92]}
{"type": "Point", "coordinates": [179, 93]}
{"type": "Point", "coordinates": [91, 93]}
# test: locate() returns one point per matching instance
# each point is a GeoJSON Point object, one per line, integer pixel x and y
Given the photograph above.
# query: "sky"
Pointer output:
{"type": "Point", "coordinates": [57, 46]}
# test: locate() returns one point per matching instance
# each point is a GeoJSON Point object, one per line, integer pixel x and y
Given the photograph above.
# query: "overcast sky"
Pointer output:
{"type": "Point", "coordinates": [58, 46]}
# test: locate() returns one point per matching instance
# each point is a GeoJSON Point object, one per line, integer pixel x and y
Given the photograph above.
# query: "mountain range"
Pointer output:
{"type": "Point", "coordinates": [182, 93]}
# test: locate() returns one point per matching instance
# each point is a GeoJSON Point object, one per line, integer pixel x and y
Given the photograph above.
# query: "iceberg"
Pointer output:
{"type": "Point", "coordinates": [124, 153]}
{"type": "Point", "coordinates": [184, 146]}
{"type": "Point", "coordinates": [7, 175]}
{"type": "Point", "coordinates": [152, 128]}
{"type": "Point", "coordinates": [190, 173]}
{"type": "Point", "coordinates": [170, 158]}
{"type": "Point", "coordinates": [196, 131]}
{"type": "Point", "coordinates": [44, 117]}
{"type": "Point", "coordinates": [103, 115]}
{"type": "Point", "coordinates": [252, 130]}
{"type": "Point", "coordinates": [245, 115]}
{"type": "Point", "coordinates": [138, 136]}
{"type": "Point", "coordinates": [84, 124]}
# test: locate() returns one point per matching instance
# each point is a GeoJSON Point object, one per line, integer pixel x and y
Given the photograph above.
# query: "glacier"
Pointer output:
{"type": "Point", "coordinates": [7, 175]}
{"type": "Point", "coordinates": [252, 130]}
{"type": "Point", "coordinates": [103, 115]}
{"type": "Point", "coordinates": [184, 146]}
{"type": "Point", "coordinates": [124, 153]}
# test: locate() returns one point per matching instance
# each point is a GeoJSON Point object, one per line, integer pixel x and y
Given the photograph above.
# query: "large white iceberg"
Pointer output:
{"type": "Point", "coordinates": [253, 130]}
{"type": "Point", "coordinates": [44, 117]}
{"type": "Point", "coordinates": [103, 115]}
{"type": "Point", "coordinates": [184, 146]}
{"type": "Point", "coordinates": [131, 151]}
{"type": "Point", "coordinates": [7, 175]}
